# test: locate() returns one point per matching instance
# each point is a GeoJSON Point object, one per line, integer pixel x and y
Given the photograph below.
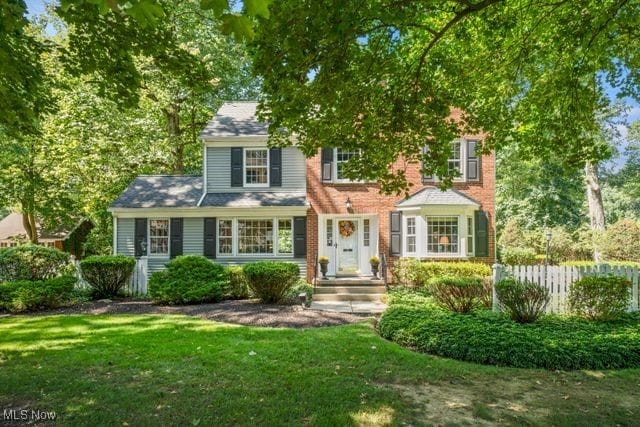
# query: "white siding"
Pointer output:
{"type": "Point", "coordinates": [218, 170]}
{"type": "Point", "coordinates": [126, 235]}
{"type": "Point", "coordinates": [193, 236]}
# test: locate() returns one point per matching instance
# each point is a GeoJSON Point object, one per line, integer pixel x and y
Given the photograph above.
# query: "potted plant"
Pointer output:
{"type": "Point", "coordinates": [324, 262]}
{"type": "Point", "coordinates": [375, 264]}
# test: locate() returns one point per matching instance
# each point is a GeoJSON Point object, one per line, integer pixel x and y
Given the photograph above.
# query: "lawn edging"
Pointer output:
{"type": "Point", "coordinates": [554, 342]}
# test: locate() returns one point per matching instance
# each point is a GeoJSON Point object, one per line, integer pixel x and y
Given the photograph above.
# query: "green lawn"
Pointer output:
{"type": "Point", "coordinates": [143, 370]}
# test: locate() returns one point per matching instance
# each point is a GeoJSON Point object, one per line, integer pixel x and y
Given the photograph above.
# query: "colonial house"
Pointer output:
{"type": "Point", "coordinates": [253, 202]}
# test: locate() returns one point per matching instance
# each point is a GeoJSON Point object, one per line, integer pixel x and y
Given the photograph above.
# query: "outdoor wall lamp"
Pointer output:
{"type": "Point", "coordinates": [349, 205]}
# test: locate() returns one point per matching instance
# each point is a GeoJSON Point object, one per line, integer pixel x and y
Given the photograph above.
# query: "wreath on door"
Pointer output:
{"type": "Point", "coordinates": [346, 228]}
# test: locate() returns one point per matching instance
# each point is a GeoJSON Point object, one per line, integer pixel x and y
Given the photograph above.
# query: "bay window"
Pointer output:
{"type": "Point", "coordinates": [469, 235]}
{"type": "Point", "coordinates": [442, 234]}
{"type": "Point", "coordinates": [411, 235]}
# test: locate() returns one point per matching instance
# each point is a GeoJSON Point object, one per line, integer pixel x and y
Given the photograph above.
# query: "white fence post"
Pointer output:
{"type": "Point", "coordinates": [497, 276]}
{"type": "Point", "coordinates": [143, 270]}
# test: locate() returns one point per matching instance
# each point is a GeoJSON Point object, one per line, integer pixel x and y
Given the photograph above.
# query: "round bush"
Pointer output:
{"type": "Point", "coordinates": [107, 274]}
{"type": "Point", "coordinates": [554, 342]}
{"type": "Point", "coordinates": [519, 256]}
{"type": "Point", "coordinates": [270, 280]}
{"type": "Point", "coordinates": [189, 279]}
{"type": "Point", "coordinates": [455, 293]}
{"type": "Point", "coordinates": [621, 241]}
{"type": "Point", "coordinates": [600, 297]}
{"type": "Point", "coordinates": [524, 301]}
{"type": "Point", "coordinates": [28, 295]}
{"type": "Point", "coordinates": [32, 262]}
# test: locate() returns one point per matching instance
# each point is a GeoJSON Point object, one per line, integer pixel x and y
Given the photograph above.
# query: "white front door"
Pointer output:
{"type": "Point", "coordinates": [347, 247]}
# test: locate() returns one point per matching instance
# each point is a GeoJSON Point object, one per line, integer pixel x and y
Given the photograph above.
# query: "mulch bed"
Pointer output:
{"type": "Point", "coordinates": [242, 312]}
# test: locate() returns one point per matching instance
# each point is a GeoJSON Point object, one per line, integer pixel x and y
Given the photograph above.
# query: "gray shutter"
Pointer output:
{"type": "Point", "coordinates": [176, 233]}
{"type": "Point", "coordinates": [299, 236]}
{"type": "Point", "coordinates": [425, 178]}
{"type": "Point", "coordinates": [473, 161]}
{"type": "Point", "coordinates": [236, 167]}
{"type": "Point", "coordinates": [210, 237]}
{"type": "Point", "coordinates": [482, 234]}
{"type": "Point", "coordinates": [327, 164]}
{"type": "Point", "coordinates": [275, 167]}
{"type": "Point", "coordinates": [140, 236]}
{"type": "Point", "coordinates": [395, 228]}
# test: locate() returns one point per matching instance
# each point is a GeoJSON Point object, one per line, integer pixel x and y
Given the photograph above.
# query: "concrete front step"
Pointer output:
{"type": "Point", "coordinates": [353, 289]}
{"type": "Point", "coordinates": [350, 281]}
{"type": "Point", "coordinates": [347, 297]}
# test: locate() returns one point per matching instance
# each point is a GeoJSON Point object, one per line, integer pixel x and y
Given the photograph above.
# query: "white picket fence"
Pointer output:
{"type": "Point", "coordinates": [558, 280]}
{"type": "Point", "coordinates": [137, 284]}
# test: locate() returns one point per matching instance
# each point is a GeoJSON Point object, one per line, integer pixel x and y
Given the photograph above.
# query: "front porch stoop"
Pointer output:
{"type": "Point", "coordinates": [350, 295]}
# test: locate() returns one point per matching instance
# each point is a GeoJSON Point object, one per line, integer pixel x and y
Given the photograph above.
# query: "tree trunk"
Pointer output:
{"type": "Point", "coordinates": [172, 115]}
{"type": "Point", "coordinates": [29, 224]}
{"type": "Point", "coordinates": [596, 207]}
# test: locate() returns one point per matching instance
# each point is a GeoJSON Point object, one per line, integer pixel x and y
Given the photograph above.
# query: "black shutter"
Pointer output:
{"type": "Point", "coordinates": [425, 178]}
{"type": "Point", "coordinates": [236, 167]}
{"type": "Point", "coordinates": [275, 167]}
{"type": "Point", "coordinates": [327, 164]}
{"type": "Point", "coordinates": [473, 161]}
{"type": "Point", "coordinates": [210, 237]}
{"type": "Point", "coordinates": [300, 236]}
{"type": "Point", "coordinates": [140, 237]}
{"type": "Point", "coordinates": [395, 227]}
{"type": "Point", "coordinates": [482, 234]}
{"type": "Point", "coordinates": [176, 233]}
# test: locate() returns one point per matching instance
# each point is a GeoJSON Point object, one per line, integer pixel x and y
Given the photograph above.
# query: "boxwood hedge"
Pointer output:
{"type": "Point", "coordinates": [554, 342]}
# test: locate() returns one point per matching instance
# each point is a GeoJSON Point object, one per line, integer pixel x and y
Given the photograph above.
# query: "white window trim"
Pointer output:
{"type": "Point", "coordinates": [244, 167]}
{"type": "Point", "coordinates": [168, 254]}
{"type": "Point", "coordinates": [458, 254]}
{"type": "Point", "coordinates": [335, 169]}
{"type": "Point", "coordinates": [471, 250]}
{"type": "Point", "coordinates": [407, 235]}
{"type": "Point", "coordinates": [464, 153]}
{"type": "Point", "coordinates": [235, 236]}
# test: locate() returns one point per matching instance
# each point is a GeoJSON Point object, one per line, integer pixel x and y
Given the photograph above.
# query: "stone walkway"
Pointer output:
{"type": "Point", "coordinates": [359, 307]}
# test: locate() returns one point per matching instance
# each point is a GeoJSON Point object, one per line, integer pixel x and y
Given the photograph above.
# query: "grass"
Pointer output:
{"type": "Point", "coordinates": [143, 370]}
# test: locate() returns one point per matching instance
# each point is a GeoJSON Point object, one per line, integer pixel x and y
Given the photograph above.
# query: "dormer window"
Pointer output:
{"type": "Point", "coordinates": [256, 167]}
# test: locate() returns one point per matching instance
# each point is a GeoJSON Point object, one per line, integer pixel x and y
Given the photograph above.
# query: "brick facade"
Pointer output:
{"type": "Point", "coordinates": [330, 198]}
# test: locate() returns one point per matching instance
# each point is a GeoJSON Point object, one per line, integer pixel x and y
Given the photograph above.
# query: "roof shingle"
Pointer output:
{"type": "Point", "coordinates": [435, 196]}
{"type": "Point", "coordinates": [254, 200]}
{"type": "Point", "coordinates": [235, 119]}
{"type": "Point", "coordinates": [161, 191]}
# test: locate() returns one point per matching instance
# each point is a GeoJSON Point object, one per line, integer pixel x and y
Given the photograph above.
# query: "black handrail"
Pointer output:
{"type": "Point", "coordinates": [383, 269]}
{"type": "Point", "coordinates": [315, 273]}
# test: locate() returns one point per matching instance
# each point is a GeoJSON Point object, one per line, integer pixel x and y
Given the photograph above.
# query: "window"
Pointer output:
{"type": "Point", "coordinates": [442, 234]}
{"type": "Point", "coordinates": [225, 237]}
{"type": "Point", "coordinates": [329, 232]}
{"type": "Point", "coordinates": [3, 244]}
{"type": "Point", "coordinates": [411, 235]}
{"type": "Point", "coordinates": [285, 237]}
{"type": "Point", "coordinates": [366, 232]}
{"type": "Point", "coordinates": [473, 163]}
{"type": "Point", "coordinates": [343, 156]}
{"type": "Point", "coordinates": [469, 235]}
{"type": "Point", "coordinates": [159, 237]}
{"type": "Point", "coordinates": [454, 162]}
{"type": "Point", "coordinates": [256, 167]}
{"type": "Point", "coordinates": [255, 236]}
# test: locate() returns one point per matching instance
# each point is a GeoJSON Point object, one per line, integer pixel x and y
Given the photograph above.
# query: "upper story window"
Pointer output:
{"type": "Point", "coordinates": [342, 157]}
{"type": "Point", "coordinates": [256, 167]}
{"type": "Point", "coordinates": [159, 237]}
{"type": "Point", "coordinates": [463, 162]}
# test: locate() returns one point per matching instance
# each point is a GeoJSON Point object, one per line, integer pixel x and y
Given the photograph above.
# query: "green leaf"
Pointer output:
{"type": "Point", "coordinates": [218, 6]}
{"type": "Point", "coordinates": [146, 12]}
{"type": "Point", "coordinates": [257, 8]}
{"type": "Point", "coordinates": [239, 26]}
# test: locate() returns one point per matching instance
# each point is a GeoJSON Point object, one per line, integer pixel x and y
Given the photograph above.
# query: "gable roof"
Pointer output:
{"type": "Point", "coordinates": [435, 196]}
{"type": "Point", "coordinates": [11, 228]}
{"type": "Point", "coordinates": [161, 191]}
{"type": "Point", "coordinates": [255, 199]}
{"type": "Point", "coordinates": [237, 118]}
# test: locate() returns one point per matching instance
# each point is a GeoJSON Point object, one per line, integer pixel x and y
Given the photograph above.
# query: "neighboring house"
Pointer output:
{"type": "Point", "coordinates": [254, 202]}
{"type": "Point", "coordinates": [12, 233]}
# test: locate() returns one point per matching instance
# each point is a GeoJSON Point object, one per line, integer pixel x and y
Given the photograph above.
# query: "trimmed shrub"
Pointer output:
{"type": "Point", "coordinates": [238, 287]}
{"type": "Point", "coordinates": [292, 296]}
{"type": "Point", "coordinates": [412, 272]}
{"type": "Point", "coordinates": [189, 279]}
{"type": "Point", "coordinates": [599, 297]}
{"type": "Point", "coordinates": [30, 295]}
{"type": "Point", "coordinates": [524, 301]}
{"type": "Point", "coordinates": [519, 256]}
{"type": "Point", "coordinates": [553, 342]}
{"type": "Point", "coordinates": [458, 294]}
{"type": "Point", "coordinates": [621, 241]}
{"type": "Point", "coordinates": [33, 262]}
{"type": "Point", "coordinates": [107, 274]}
{"type": "Point", "coordinates": [270, 280]}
